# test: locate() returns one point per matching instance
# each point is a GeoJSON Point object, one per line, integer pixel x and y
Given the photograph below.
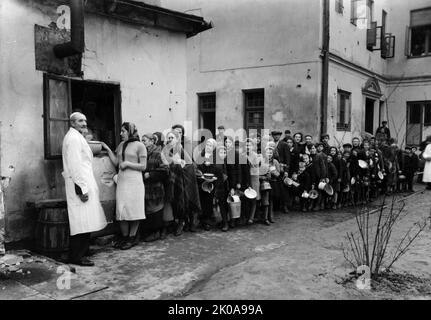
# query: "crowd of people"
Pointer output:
{"type": "Point", "coordinates": [162, 187]}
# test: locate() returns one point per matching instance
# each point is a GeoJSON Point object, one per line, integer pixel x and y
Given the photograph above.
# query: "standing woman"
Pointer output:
{"type": "Point", "coordinates": [154, 178]}
{"type": "Point", "coordinates": [253, 163]}
{"type": "Point", "coordinates": [131, 158]}
{"type": "Point", "coordinates": [426, 155]}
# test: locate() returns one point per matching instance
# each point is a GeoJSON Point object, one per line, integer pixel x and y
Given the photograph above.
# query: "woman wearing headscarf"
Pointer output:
{"type": "Point", "coordinates": [154, 178]}
{"type": "Point", "coordinates": [183, 193]}
{"type": "Point", "coordinates": [269, 173]}
{"type": "Point", "coordinates": [207, 165]}
{"type": "Point", "coordinates": [252, 168]}
{"type": "Point", "coordinates": [131, 159]}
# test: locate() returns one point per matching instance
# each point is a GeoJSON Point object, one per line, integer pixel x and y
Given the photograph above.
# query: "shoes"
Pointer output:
{"type": "Point", "coordinates": [91, 252]}
{"type": "Point", "coordinates": [225, 227]}
{"type": "Point", "coordinates": [179, 230]}
{"type": "Point", "coordinates": [206, 227]}
{"type": "Point", "coordinates": [285, 210]}
{"type": "Point", "coordinates": [250, 221]}
{"type": "Point", "coordinates": [271, 220]}
{"type": "Point", "coordinates": [119, 242]}
{"type": "Point", "coordinates": [231, 224]}
{"type": "Point", "coordinates": [83, 262]}
{"type": "Point", "coordinates": [129, 243]}
{"type": "Point", "coordinates": [186, 227]}
{"type": "Point", "coordinates": [152, 237]}
{"type": "Point", "coordinates": [266, 222]}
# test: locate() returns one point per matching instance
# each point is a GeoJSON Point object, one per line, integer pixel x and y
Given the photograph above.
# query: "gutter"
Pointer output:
{"type": "Point", "coordinates": [325, 69]}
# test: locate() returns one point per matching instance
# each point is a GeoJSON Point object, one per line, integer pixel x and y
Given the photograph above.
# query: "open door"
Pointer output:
{"type": "Point", "coordinates": [369, 115]}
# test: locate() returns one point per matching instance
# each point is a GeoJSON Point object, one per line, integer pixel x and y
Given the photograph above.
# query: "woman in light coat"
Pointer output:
{"type": "Point", "coordinates": [426, 155]}
{"type": "Point", "coordinates": [131, 158]}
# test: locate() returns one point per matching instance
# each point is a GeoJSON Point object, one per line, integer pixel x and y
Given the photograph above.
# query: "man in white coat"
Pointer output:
{"type": "Point", "coordinates": [84, 209]}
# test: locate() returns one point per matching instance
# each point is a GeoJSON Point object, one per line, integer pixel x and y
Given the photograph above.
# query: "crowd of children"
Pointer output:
{"type": "Point", "coordinates": [272, 173]}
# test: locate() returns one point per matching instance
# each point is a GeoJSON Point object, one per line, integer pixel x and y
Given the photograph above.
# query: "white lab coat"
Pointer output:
{"type": "Point", "coordinates": [87, 216]}
{"type": "Point", "coordinates": [427, 157]}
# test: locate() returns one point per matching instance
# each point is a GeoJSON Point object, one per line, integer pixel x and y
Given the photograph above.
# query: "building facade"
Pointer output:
{"type": "Point", "coordinates": [335, 66]}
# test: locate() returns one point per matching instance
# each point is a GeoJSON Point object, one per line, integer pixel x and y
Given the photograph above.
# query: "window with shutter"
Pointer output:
{"type": "Point", "coordinates": [343, 110]}
{"type": "Point", "coordinates": [57, 108]}
{"type": "Point", "coordinates": [372, 36]}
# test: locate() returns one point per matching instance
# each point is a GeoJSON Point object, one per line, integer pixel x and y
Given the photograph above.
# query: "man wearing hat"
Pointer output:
{"type": "Point", "coordinates": [282, 150]}
{"type": "Point", "coordinates": [383, 132]}
{"type": "Point", "coordinates": [82, 193]}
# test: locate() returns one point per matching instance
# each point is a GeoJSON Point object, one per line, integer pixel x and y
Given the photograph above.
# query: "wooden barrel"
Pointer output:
{"type": "Point", "coordinates": [52, 228]}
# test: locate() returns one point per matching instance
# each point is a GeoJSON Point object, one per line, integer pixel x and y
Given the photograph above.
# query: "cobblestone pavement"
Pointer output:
{"type": "Point", "coordinates": [298, 257]}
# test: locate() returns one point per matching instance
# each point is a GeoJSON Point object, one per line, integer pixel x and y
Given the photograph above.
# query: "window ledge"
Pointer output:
{"type": "Point", "coordinates": [421, 56]}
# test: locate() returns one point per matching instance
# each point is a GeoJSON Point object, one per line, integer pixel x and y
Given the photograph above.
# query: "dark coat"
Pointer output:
{"type": "Point", "coordinates": [319, 168]}
{"type": "Point", "coordinates": [154, 185]}
{"type": "Point", "coordinates": [283, 153]}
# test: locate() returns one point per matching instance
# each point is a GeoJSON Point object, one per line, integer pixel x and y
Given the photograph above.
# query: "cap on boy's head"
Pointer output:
{"type": "Point", "coordinates": [276, 133]}
{"type": "Point", "coordinates": [319, 144]}
{"type": "Point", "coordinates": [325, 135]}
{"type": "Point", "coordinates": [347, 145]}
{"type": "Point", "coordinates": [286, 131]}
{"type": "Point", "coordinates": [384, 122]}
{"type": "Point", "coordinates": [220, 127]}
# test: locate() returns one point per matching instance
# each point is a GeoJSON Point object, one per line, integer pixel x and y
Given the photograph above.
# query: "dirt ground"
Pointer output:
{"type": "Point", "coordinates": [298, 257]}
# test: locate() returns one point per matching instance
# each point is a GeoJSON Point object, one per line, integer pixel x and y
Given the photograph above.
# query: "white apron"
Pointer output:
{"type": "Point", "coordinates": [87, 216]}
{"type": "Point", "coordinates": [427, 157]}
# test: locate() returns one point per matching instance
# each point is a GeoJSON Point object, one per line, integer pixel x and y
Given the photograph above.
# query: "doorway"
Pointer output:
{"type": "Point", "coordinates": [369, 115]}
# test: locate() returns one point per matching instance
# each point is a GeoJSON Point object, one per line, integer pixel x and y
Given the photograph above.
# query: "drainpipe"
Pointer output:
{"type": "Point", "coordinates": [76, 45]}
{"type": "Point", "coordinates": [325, 69]}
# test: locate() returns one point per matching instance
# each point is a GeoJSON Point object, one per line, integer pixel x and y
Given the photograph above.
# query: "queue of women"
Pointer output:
{"type": "Point", "coordinates": [161, 188]}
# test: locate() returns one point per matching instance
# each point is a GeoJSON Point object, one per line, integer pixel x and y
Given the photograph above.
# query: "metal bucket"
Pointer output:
{"type": "Point", "coordinates": [234, 208]}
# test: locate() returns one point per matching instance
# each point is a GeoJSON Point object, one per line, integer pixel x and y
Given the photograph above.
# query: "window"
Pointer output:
{"type": "Point", "coordinates": [361, 13]}
{"type": "Point", "coordinates": [339, 8]}
{"type": "Point", "coordinates": [343, 110]}
{"type": "Point", "coordinates": [254, 109]}
{"type": "Point", "coordinates": [427, 114]}
{"type": "Point", "coordinates": [100, 102]}
{"type": "Point", "coordinates": [207, 111]}
{"type": "Point", "coordinates": [57, 108]}
{"type": "Point", "coordinates": [418, 34]}
{"type": "Point", "coordinates": [418, 117]}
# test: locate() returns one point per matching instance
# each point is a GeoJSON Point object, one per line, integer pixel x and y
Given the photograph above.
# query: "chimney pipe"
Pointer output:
{"type": "Point", "coordinates": [76, 45]}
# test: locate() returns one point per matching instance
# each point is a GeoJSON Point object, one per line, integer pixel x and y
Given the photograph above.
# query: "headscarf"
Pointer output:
{"type": "Point", "coordinates": [133, 135]}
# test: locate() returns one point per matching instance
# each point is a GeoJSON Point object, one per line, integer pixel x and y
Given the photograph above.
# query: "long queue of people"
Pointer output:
{"type": "Point", "coordinates": [245, 182]}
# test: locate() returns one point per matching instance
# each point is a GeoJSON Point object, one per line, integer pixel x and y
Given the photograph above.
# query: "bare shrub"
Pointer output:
{"type": "Point", "coordinates": [371, 244]}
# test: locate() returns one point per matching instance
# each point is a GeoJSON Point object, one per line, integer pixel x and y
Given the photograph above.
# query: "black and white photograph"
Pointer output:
{"type": "Point", "coordinates": [215, 155]}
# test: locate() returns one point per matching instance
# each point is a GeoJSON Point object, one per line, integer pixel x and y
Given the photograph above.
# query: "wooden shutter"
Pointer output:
{"type": "Point", "coordinates": [372, 35]}
{"type": "Point", "coordinates": [408, 43]}
{"type": "Point", "coordinates": [57, 108]}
